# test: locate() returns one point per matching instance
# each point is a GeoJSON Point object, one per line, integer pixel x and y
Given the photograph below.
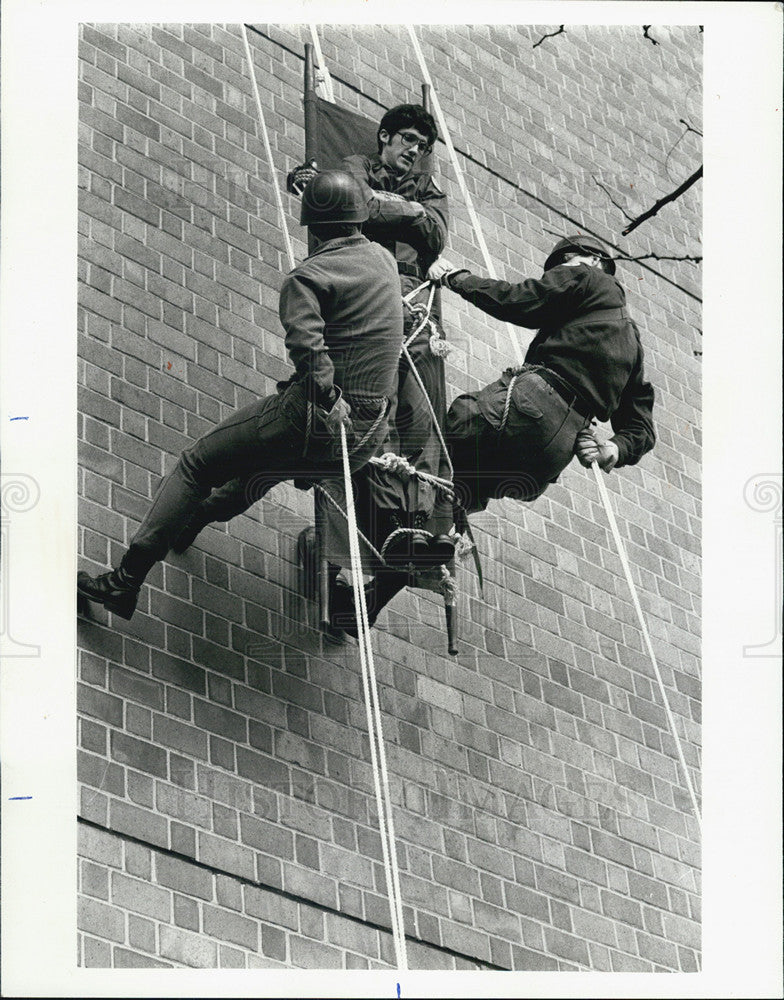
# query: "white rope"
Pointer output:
{"type": "Point", "coordinates": [268, 148]}
{"type": "Point", "coordinates": [461, 182]}
{"type": "Point", "coordinates": [375, 732]}
{"type": "Point", "coordinates": [421, 385]}
{"type": "Point", "coordinates": [628, 574]}
{"type": "Point", "coordinates": [326, 79]}
{"type": "Point", "coordinates": [378, 756]}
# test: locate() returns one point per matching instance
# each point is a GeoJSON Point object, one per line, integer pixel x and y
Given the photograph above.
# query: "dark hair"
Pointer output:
{"type": "Point", "coordinates": [408, 116]}
{"type": "Point", "coordinates": [324, 231]}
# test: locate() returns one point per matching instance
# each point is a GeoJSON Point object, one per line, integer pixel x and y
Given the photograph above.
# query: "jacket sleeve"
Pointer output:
{"type": "Point", "coordinates": [428, 234]}
{"type": "Point", "coordinates": [532, 303]}
{"type": "Point", "coordinates": [397, 219]}
{"type": "Point", "coordinates": [632, 422]}
{"type": "Point", "coordinates": [301, 313]}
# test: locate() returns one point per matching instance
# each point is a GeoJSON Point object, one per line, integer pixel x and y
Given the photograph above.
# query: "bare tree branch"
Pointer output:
{"type": "Point", "coordinates": [551, 35]}
{"type": "Point", "coordinates": [646, 35]}
{"type": "Point", "coordinates": [655, 256]}
{"type": "Point", "coordinates": [689, 128]}
{"type": "Point", "coordinates": [675, 145]}
{"type": "Point", "coordinates": [663, 201]}
{"type": "Point", "coordinates": [619, 207]}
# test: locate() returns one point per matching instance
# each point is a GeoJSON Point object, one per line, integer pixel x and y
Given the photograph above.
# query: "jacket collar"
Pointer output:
{"type": "Point", "coordinates": [339, 241]}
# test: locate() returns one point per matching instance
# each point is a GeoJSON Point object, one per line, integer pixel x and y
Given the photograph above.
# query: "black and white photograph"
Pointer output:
{"type": "Point", "coordinates": [391, 476]}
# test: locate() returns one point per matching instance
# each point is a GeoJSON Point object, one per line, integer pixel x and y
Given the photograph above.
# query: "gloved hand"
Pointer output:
{"type": "Point", "coordinates": [297, 179]}
{"type": "Point", "coordinates": [441, 270]}
{"type": "Point", "coordinates": [340, 413]}
{"type": "Point", "coordinates": [588, 450]}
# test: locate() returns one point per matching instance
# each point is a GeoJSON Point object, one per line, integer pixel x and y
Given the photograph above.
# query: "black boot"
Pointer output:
{"type": "Point", "coordinates": [401, 545]}
{"type": "Point", "coordinates": [116, 590]}
{"type": "Point", "coordinates": [441, 548]}
{"type": "Point", "coordinates": [342, 613]}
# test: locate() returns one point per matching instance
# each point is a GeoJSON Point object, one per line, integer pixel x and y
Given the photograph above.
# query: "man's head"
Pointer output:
{"type": "Point", "coordinates": [405, 134]}
{"type": "Point", "coordinates": [579, 249]}
{"type": "Point", "coordinates": [333, 204]}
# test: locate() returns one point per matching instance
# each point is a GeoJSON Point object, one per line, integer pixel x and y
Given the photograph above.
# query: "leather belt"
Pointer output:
{"type": "Point", "coordinates": [566, 392]}
{"type": "Point", "coordinates": [409, 270]}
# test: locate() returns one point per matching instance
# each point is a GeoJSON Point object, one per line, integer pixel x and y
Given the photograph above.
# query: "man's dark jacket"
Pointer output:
{"type": "Point", "coordinates": [584, 335]}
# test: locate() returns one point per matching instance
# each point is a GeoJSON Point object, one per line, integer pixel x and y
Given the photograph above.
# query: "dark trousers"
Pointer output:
{"type": "Point", "coordinates": [257, 447]}
{"type": "Point", "coordinates": [513, 450]}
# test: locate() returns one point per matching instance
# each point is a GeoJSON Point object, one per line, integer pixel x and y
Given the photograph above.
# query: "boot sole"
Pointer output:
{"type": "Point", "coordinates": [124, 607]}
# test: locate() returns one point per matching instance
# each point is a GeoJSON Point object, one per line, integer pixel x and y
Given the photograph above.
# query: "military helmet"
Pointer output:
{"type": "Point", "coordinates": [580, 244]}
{"type": "Point", "coordinates": [333, 196]}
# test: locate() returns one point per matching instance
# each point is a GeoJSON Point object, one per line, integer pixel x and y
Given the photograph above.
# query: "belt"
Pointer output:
{"type": "Point", "coordinates": [409, 270]}
{"type": "Point", "coordinates": [566, 392]}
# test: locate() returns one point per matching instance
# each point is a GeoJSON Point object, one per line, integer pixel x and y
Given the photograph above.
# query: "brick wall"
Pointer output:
{"type": "Point", "coordinates": [227, 815]}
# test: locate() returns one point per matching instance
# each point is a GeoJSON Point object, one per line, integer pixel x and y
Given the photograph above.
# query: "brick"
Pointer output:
{"type": "Point", "coordinates": [271, 908]}
{"type": "Point", "coordinates": [139, 823]}
{"type": "Point", "coordinates": [648, 890]}
{"type": "Point", "coordinates": [193, 950]}
{"type": "Point", "coordinates": [187, 739]}
{"type": "Point", "coordinates": [97, 954]}
{"type": "Point", "coordinates": [97, 772]}
{"type": "Point", "coordinates": [129, 684]}
{"type": "Point", "coordinates": [268, 837]}
{"type": "Point", "coordinates": [566, 946]}
{"type": "Point", "coordinates": [228, 926]}
{"type": "Point", "coordinates": [183, 805]}
{"type": "Point", "coordinates": [225, 855]}
{"type": "Point", "coordinates": [306, 954]}
{"type": "Point", "coordinates": [94, 880]}
{"type": "Point", "coordinates": [465, 940]}
{"type": "Point", "coordinates": [526, 902]}
{"type": "Point", "coordinates": [100, 919]}
{"type": "Point", "coordinates": [219, 720]}
{"type": "Point", "coordinates": [139, 754]}
{"type": "Point", "coordinates": [99, 705]}
{"type": "Point", "coordinates": [178, 672]}
{"type": "Point", "coordinates": [179, 875]}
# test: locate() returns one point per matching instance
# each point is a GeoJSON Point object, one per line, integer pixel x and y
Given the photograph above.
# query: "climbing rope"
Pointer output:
{"type": "Point", "coordinates": [377, 751]}
{"type": "Point", "coordinates": [460, 179]}
{"type": "Point", "coordinates": [375, 732]}
{"type": "Point", "coordinates": [268, 149]}
{"type": "Point", "coordinates": [421, 385]}
{"type": "Point", "coordinates": [518, 351]}
{"type": "Point", "coordinates": [646, 636]}
{"type": "Point", "coordinates": [323, 72]}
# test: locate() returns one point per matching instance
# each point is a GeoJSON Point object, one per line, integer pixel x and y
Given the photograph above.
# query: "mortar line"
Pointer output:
{"type": "Point", "coordinates": [283, 893]}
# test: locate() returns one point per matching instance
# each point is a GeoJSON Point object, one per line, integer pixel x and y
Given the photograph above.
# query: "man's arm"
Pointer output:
{"type": "Point", "coordinates": [532, 303]}
{"type": "Point", "coordinates": [429, 230]}
{"type": "Point", "coordinates": [421, 223]}
{"type": "Point", "coordinates": [633, 421]}
{"type": "Point", "coordinates": [300, 311]}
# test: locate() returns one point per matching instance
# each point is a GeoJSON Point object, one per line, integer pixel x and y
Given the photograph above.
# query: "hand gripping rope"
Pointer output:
{"type": "Point", "coordinates": [377, 752]}
{"type": "Point", "coordinates": [518, 351]}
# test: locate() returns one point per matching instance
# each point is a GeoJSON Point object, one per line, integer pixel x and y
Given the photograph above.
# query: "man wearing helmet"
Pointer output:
{"type": "Point", "coordinates": [408, 214]}
{"type": "Point", "coordinates": [516, 435]}
{"type": "Point", "coordinates": [343, 318]}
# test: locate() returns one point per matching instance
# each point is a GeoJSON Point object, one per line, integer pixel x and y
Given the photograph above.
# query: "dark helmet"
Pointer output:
{"type": "Point", "coordinates": [333, 196]}
{"type": "Point", "coordinates": [577, 244]}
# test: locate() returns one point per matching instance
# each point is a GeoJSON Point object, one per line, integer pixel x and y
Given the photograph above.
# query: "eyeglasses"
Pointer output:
{"type": "Point", "coordinates": [412, 139]}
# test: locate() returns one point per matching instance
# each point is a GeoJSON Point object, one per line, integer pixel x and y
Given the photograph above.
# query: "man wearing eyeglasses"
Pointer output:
{"type": "Point", "coordinates": [408, 215]}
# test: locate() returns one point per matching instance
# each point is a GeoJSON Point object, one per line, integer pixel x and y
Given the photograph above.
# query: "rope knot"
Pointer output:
{"type": "Point", "coordinates": [440, 348]}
